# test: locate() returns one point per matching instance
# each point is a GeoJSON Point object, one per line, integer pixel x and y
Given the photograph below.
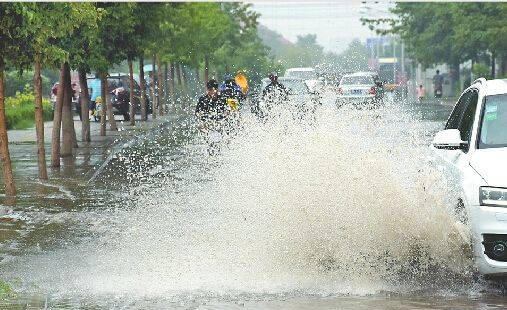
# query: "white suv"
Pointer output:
{"type": "Point", "coordinates": [473, 154]}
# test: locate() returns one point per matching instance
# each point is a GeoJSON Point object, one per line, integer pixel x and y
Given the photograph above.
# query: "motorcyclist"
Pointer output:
{"type": "Point", "coordinates": [211, 105]}
{"type": "Point", "coordinates": [120, 98]}
{"type": "Point", "coordinates": [438, 81]}
{"type": "Point", "coordinates": [274, 91]}
{"type": "Point", "coordinates": [229, 89]}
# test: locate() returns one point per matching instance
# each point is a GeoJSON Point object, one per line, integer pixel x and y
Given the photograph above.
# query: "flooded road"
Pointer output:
{"type": "Point", "coordinates": [338, 210]}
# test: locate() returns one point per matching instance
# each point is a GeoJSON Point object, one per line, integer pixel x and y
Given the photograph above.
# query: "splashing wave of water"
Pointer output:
{"type": "Point", "coordinates": [340, 204]}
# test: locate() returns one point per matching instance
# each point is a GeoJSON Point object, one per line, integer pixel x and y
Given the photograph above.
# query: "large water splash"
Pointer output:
{"type": "Point", "coordinates": [343, 203]}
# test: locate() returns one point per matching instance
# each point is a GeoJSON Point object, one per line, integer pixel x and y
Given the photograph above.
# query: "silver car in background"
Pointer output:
{"type": "Point", "coordinates": [299, 98]}
{"type": "Point", "coordinates": [309, 75]}
{"type": "Point", "coordinates": [361, 89]}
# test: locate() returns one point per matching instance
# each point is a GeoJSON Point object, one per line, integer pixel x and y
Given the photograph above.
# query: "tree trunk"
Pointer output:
{"type": "Point", "coordinates": [160, 89]}
{"type": "Point", "coordinates": [73, 128]}
{"type": "Point", "coordinates": [456, 88]}
{"type": "Point", "coordinates": [132, 105]}
{"type": "Point", "coordinates": [10, 190]}
{"type": "Point", "coordinates": [153, 92]}
{"type": "Point", "coordinates": [39, 119]}
{"type": "Point", "coordinates": [85, 102]}
{"type": "Point", "coordinates": [110, 112]}
{"type": "Point", "coordinates": [171, 83]}
{"type": "Point", "coordinates": [184, 79]}
{"type": "Point", "coordinates": [103, 105]}
{"type": "Point", "coordinates": [166, 87]}
{"type": "Point", "coordinates": [206, 68]}
{"type": "Point", "coordinates": [67, 121]}
{"type": "Point", "coordinates": [472, 63]}
{"type": "Point", "coordinates": [178, 74]}
{"type": "Point", "coordinates": [57, 119]}
{"type": "Point", "coordinates": [493, 65]}
{"type": "Point", "coordinates": [143, 88]}
{"type": "Point", "coordinates": [71, 115]}
{"type": "Point", "coordinates": [503, 64]}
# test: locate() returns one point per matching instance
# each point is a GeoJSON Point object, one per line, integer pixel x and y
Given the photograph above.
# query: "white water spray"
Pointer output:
{"type": "Point", "coordinates": [343, 204]}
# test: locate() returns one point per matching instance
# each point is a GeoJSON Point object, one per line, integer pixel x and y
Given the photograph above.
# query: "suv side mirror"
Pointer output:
{"type": "Point", "coordinates": [449, 139]}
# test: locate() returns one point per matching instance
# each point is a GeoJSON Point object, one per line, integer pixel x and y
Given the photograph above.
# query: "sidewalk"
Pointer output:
{"type": "Point", "coordinates": [72, 178]}
{"type": "Point", "coordinates": [28, 136]}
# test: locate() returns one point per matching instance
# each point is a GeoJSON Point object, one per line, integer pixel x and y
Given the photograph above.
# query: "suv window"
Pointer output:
{"type": "Point", "coordinates": [493, 131]}
{"type": "Point", "coordinates": [457, 112]}
{"type": "Point", "coordinates": [467, 121]}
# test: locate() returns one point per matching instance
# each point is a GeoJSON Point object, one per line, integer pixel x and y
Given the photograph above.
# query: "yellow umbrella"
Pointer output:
{"type": "Point", "coordinates": [242, 82]}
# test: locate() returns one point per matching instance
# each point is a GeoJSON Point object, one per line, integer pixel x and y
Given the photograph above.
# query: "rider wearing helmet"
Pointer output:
{"type": "Point", "coordinates": [230, 89]}
{"type": "Point", "coordinates": [275, 90]}
{"type": "Point", "coordinates": [211, 105]}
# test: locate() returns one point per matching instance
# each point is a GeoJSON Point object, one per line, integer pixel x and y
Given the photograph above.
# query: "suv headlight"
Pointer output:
{"type": "Point", "coordinates": [493, 196]}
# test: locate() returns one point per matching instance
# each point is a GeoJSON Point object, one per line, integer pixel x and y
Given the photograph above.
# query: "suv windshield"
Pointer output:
{"type": "Point", "coordinates": [357, 80]}
{"type": "Point", "coordinates": [494, 122]}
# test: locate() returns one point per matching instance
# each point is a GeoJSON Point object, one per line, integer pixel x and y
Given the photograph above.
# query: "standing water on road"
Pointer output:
{"type": "Point", "coordinates": [341, 209]}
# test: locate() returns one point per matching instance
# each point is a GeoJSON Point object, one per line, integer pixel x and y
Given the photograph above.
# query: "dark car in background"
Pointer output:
{"type": "Point", "coordinates": [119, 94]}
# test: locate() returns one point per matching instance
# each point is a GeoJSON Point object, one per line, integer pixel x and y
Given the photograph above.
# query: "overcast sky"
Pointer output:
{"type": "Point", "coordinates": [336, 23]}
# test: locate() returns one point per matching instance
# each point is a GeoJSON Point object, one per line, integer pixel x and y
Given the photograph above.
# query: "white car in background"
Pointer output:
{"type": "Point", "coordinates": [360, 89]}
{"type": "Point", "coordinates": [309, 75]}
{"type": "Point", "coordinates": [301, 73]}
{"type": "Point", "coordinates": [472, 153]}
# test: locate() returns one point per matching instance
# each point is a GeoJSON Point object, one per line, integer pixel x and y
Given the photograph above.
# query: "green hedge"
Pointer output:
{"type": "Point", "coordinates": [20, 111]}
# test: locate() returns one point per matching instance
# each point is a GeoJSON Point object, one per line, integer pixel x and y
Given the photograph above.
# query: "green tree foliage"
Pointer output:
{"type": "Point", "coordinates": [113, 35]}
{"type": "Point", "coordinates": [82, 44]}
{"type": "Point", "coordinates": [447, 32]}
{"type": "Point", "coordinates": [14, 37]}
{"type": "Point", "coordinates": [207, 27]}
{"type": "Point", "coordinates": [42, 27]}
{"type": "Point", "coordinates": [242, 49]}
